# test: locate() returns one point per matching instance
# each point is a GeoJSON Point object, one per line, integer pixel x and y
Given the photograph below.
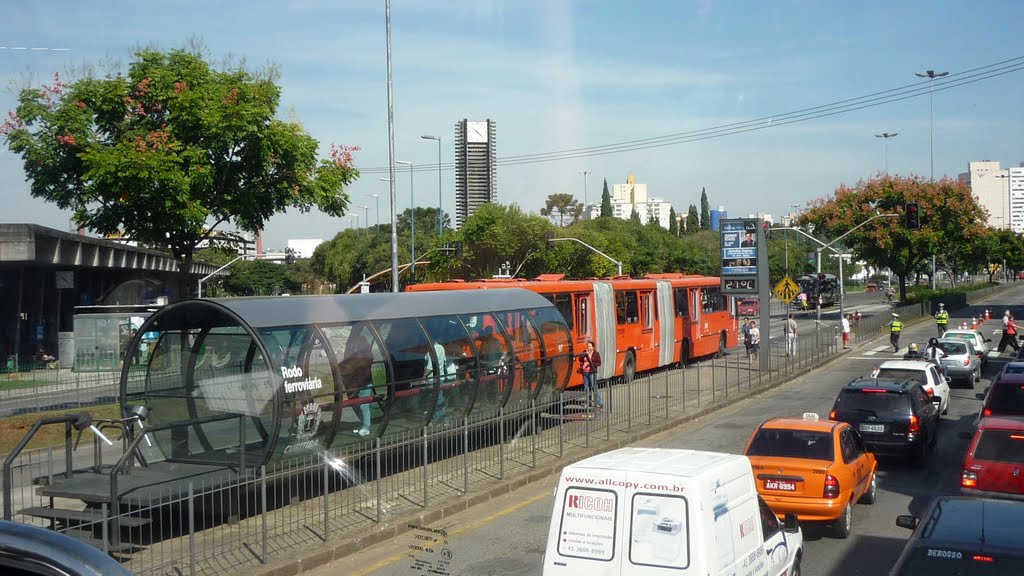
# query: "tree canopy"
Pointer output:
{"type": "Point", "coordinates": [171, 150]}
{"type": "Point", "coordinates": [560, 206]}
{"type": "Point", "coordinates": [606, 202]}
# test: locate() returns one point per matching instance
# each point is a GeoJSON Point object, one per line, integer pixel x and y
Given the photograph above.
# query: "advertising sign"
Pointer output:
{"type": "Point", "coordinates": [739, 256]}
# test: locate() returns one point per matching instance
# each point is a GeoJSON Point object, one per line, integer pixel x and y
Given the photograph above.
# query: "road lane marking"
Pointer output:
{"type": "Point", "coordinates": [454, 534]}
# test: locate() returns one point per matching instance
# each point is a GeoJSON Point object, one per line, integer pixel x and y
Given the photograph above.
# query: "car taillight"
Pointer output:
{"type": "Point", "coordinates": [832, 415]}
{"type": "Point", "coordinates": [967, 360]}
{"type": "Point", "coordinates": [929, 391]}
{"type": "Point", "coordinates": [969, 479]}
{"type": "Point", "coordinates": [915, 425]}
{"type": "Point", "coordinates": [986, 412]}
{"type": "Point", "coordinates": [983, 558]}
{"type": "Point", "coordinates": [831, 487]}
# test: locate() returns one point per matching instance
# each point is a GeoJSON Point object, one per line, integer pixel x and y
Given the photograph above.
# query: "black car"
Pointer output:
{"type": "Point", "coordinates": [960, 535]}
{"type": "Point", "coordinates": [892, 416]}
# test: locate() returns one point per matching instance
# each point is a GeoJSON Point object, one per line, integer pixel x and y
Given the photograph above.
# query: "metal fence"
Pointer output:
{"type": "Point", "coordinates": [220, 525]}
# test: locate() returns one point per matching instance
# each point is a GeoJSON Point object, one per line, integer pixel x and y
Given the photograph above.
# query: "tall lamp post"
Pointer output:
{"type": "Point", "coordinates": [376, 197]}
{"type": "Point", "coordinates": [412, 216]}
{"type": "Point", "coordinates": [391, 151]}
{"type": "Point", "coordinates": [366, 217]}
{"type": "Point", "coordinates": [886, 136]}
{"type": "Point", "coordinates": [439, 212]}
{"type": "Point", "coordinates": [931, 75]}
{"type": "Point", "coordinates": [584, 172]}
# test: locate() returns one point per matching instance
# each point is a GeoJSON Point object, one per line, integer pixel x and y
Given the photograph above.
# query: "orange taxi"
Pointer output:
{"type": "Point", "coordinates": [816, 469]}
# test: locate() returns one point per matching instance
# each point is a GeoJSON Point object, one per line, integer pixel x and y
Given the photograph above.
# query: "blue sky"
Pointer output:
{"type": "Point", "coordinates": [559, 75]}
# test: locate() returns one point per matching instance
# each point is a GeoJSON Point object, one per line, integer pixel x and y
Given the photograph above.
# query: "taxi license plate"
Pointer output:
{"type": "Point", "coordinates": [784, 485]}
{"type": "Point", "coordinates": [872, 427]}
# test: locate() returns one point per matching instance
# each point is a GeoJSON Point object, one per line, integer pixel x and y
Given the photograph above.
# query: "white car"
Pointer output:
{"type": "Point", "coordinates": [974, 337]}
{"type": "Point", "coordinates": [934, 383]}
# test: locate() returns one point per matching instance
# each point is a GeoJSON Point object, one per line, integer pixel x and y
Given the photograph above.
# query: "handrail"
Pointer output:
{"type": "Point", "coordinates": [80, 420]}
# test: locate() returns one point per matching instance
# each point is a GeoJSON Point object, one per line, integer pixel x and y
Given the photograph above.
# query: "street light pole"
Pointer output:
{"type": "Point", "coordinates": [584, 172]}
{"type": "Point", "coordinates": [439, 212]}
{"type": "Point", "coordinates": [376, 197]}
{"type": "Point", "coordinates": [412, 217]}
{"type": "Point", "coordinates": [931, 75]}
{"type": "Point", "coordinates": [391, 152]}
{"type": "Point", "coordinates": [366, 217]}
{"type": "Point", "coordinates": [886, 136]}
{"type": "Point", "coordinates": [1006, 197]}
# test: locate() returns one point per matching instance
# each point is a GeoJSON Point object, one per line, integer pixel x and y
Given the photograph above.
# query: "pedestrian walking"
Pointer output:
{"type": "Point", "coordinates": [941, 319]}
{"type": "Point", "coordinates": [846, 331]}
{"type": "Point", "coordinates": [790, 329]}
{"type": "Point", "coordinates": [803, 301]}
{"type": "Point", "coordinates": [755, 341]}
{"type": "Point", "coordinates": [745, 334]}
{"type": "Point", "coordinates": [1009, 334]}
{"type": "Point", "coordinates": [895, 327]}
{"type": "Point", "coordinates": [590, 361]}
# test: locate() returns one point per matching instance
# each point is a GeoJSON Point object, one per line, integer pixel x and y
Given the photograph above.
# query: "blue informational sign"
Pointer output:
{"type": "Point", "coordinates": [739, 247]}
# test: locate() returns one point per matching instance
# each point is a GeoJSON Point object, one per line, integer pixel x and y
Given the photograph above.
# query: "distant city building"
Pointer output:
{"type": "Point", "coordinates": [591, 211]}
{"type": "Point", "coordinates": [717, 215]}
{"type": "Point", "coordinates": [633, 196]}
{"type": "Point", "coordinates": [304, 248]}
{"type": "Point", "coordinates": [767, 217]}
{"type": "Point", "coordinates": [989, 184]}
{"type": "Point", "coordinates": [476, 175]}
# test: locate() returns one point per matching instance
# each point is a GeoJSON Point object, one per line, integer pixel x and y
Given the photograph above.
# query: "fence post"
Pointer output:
{"type": "Point", "coordinates": [501, 445]}
{"type": "Point", "coordinates": [426, 468]}
{"type": "Point", "coordinates": [650, 384]}
{"type": "Point", "coordinates": [465, 454]}
{"type": "Point", "coordinates": [326, 480]}
{"type": "Point", "coordinates": [666, 395]}
{"type": "Point", "coordinates": [263, 511]}
{"type": "Point", "coordinates": [629, 404]}
{"type": "Point", "coordinates": [192, 529]}
{"type": "Point", "coordinates": [698, 384]}
{"type": "Point", "coordinates": [533, 430]}
{"type": "Point", "coordinates": [105, 529]}
{"type": "Point", "coordinates": [376, 473]}
{"type": "Point", "coordinates": [561, 424]}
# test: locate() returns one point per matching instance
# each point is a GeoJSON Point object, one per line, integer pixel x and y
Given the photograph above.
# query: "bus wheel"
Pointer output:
{"type": "Point", "coordinates": [721, 346]}
{"type": "Point", "coordinates": [629, 368]}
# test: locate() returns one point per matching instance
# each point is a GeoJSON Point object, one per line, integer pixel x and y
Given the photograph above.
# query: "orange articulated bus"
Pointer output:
{"type": "Point", "coordinates": [636, 324]}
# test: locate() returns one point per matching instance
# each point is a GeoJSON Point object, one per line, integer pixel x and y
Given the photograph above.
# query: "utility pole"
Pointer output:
{"type": "Point", "coordinates": [886, 136]}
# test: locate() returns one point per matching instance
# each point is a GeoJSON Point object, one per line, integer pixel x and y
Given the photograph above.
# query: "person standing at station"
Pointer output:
{"type": "Point", "coordinates": [745, 334]}
{"type": "Point", "coordinates": [941, 319]}
{"type": "Point", "coordinates": [755, 341]}
{"type": "Point", "coordinates": [791, 332]}
{"type": "Point", "coordinates": [895, 327]}
{"type": "Point", "coordinates": [846, 331]}
{"type": "Point", "coordinates": [590, 361]}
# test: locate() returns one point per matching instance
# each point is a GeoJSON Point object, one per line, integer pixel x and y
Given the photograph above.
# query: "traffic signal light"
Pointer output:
{"type": "Point", "coordinates": [913, 216]}
{"type": "Point", "coordinates": [767, 230]}
{"type": "Point", "coordinates": [551, 240]}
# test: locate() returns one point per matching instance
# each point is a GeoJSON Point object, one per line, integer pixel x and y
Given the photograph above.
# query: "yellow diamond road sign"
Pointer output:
{"type": "Point", "coordinates": [786, 290]}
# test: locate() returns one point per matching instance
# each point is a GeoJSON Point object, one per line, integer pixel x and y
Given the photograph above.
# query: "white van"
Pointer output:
{"type": "Point", "coordinates": [650, 511]}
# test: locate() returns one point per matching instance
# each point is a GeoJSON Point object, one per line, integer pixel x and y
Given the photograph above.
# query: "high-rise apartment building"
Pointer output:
{"type": "Point", "coordinates": [1015, 184]}
{"type": "Point", "coordinates": [633, 196]}
{"type": "Point", "coordinates": [989, 184]}
{"type": "Point", "coordinates": [476, 175]}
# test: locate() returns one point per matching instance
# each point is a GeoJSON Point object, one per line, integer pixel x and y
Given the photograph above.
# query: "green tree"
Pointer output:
{"type": "Point", "coordinates": [496, 234]}
{"type": "Point", "coordinates": [673, 224]}
{"type": "Point", "coordinates": [562, 205]}
{"type": "Point", "coordinates": [259, 278]}
{"type": "Point", "coordinates": [634, 216]}
{"type": "Point", "coordinates": [705, 211]}
{"type": "Point", "coordinates": [170, 151]}
{"type": "Point", "coordinates": [950, 217]}
{"type": "Point", "coordinates": [692, 220]}
{"type": "Point", "coordinates": [606, 202]}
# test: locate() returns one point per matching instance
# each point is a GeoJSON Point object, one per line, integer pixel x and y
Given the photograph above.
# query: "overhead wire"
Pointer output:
{"type": "Point", "coordinates": [848, 105]}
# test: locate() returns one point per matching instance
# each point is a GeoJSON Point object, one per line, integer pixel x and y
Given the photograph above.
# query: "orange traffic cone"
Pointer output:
{"type": "Point", "coordinates": [974, 323]}
{"type": "Point", "coordinates": [987, 316]}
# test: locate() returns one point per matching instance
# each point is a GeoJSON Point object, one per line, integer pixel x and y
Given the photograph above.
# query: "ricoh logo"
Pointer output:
{"type": "Point", "coordinates": [592, 503]}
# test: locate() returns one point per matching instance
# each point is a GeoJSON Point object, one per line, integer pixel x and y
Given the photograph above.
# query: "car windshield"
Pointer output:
{"type": "Point", "coordinates": [1000, 446]}
{"type": "Point", "coordinates": [919, 376]}
{"type": "Point", "coordinates": [953, 348]}
{"type": "Point", "coordinates": [1014, 368]}
{"type": "Point", "coordinates": [792, 444]}
{"type": "Point", "coordinates": [944, 561]}
{"type": "Point", "coordinates": [872, 403]}
{"type": "Point", "coordinates": [960, 336]}
{"type": "Point", "coordinates": [1007, 398]}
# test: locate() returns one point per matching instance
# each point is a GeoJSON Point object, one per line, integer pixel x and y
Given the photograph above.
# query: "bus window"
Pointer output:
{"type": "Point", "coordinates": [712, 299]}
{"type": "Point", "coordinates": [563, 303]}
{"type": "Point", "coordinates": [682, 310]}
{"type": "Point", "coordinates": [649, 311]}
{"type": "Point", "coordinates": [582, 315]}
{"type": "Point", "coordinates": [626, 307]}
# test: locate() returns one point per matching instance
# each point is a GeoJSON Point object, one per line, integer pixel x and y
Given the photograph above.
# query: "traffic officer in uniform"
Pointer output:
{"type": "Point", "coordinates": [941, 319]}
{"type": "Point", "coordinates": [895, 327]}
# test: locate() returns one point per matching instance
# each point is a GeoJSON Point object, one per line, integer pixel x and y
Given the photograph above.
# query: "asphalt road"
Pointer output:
{"type": "Point", "coordinates": [507, 535]}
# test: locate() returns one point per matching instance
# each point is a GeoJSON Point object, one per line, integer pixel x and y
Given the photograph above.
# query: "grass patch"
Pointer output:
{"type": "Point", "coordinates": [18, 384]}
{"type": "Point", "coordinates": [14, 428]}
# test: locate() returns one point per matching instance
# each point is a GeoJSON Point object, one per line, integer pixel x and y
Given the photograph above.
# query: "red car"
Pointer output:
{"type": "Point", "coordinates": [1005, 397]}
{"type": "Point", "coordinates": [994, 465]}
{"type": "Point", "coordinates": [748, 307]}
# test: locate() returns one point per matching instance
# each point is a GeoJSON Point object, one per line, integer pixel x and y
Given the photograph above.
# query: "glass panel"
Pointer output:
{"type": "Point", "coordinates": [454, 353]}
{"type": "Point", "coordinates": [525, 358]}
{"type": "Point", "coordinates": [1000, 446]}
{"type": "Point", "coordinates": [363, 377]}
{"type": "Point", "coordinates": [782, 443]}
{"type": "Point", "coordinates": [492, 348]}
{"type": "Point", "coordinates": [412, 394]}
{"type": "Point", "coordinates": [582, 315]}
{"type": "Point", "coordinates": [563, 303]}
{"type": "Point", "coordinates": [558, 361]}
{"type": "Point", "coordinates": [682, 310]}
{"type": "Point", "coordinates": [627, 307]}
{"type": "Point", "coordinates": [308, 413]}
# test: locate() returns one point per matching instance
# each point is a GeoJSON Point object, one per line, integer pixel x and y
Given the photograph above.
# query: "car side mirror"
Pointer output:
{"type": "Point", "coordinates": [988, 339]}
{"type": "Point", "coordinates": [964, 435]}
{"type": "Point", "coordinates": [790, 523]}
{"type": "Point", "coordinates": [948, 379]}
{"type": "Point", "coordinates": [906, 521]}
